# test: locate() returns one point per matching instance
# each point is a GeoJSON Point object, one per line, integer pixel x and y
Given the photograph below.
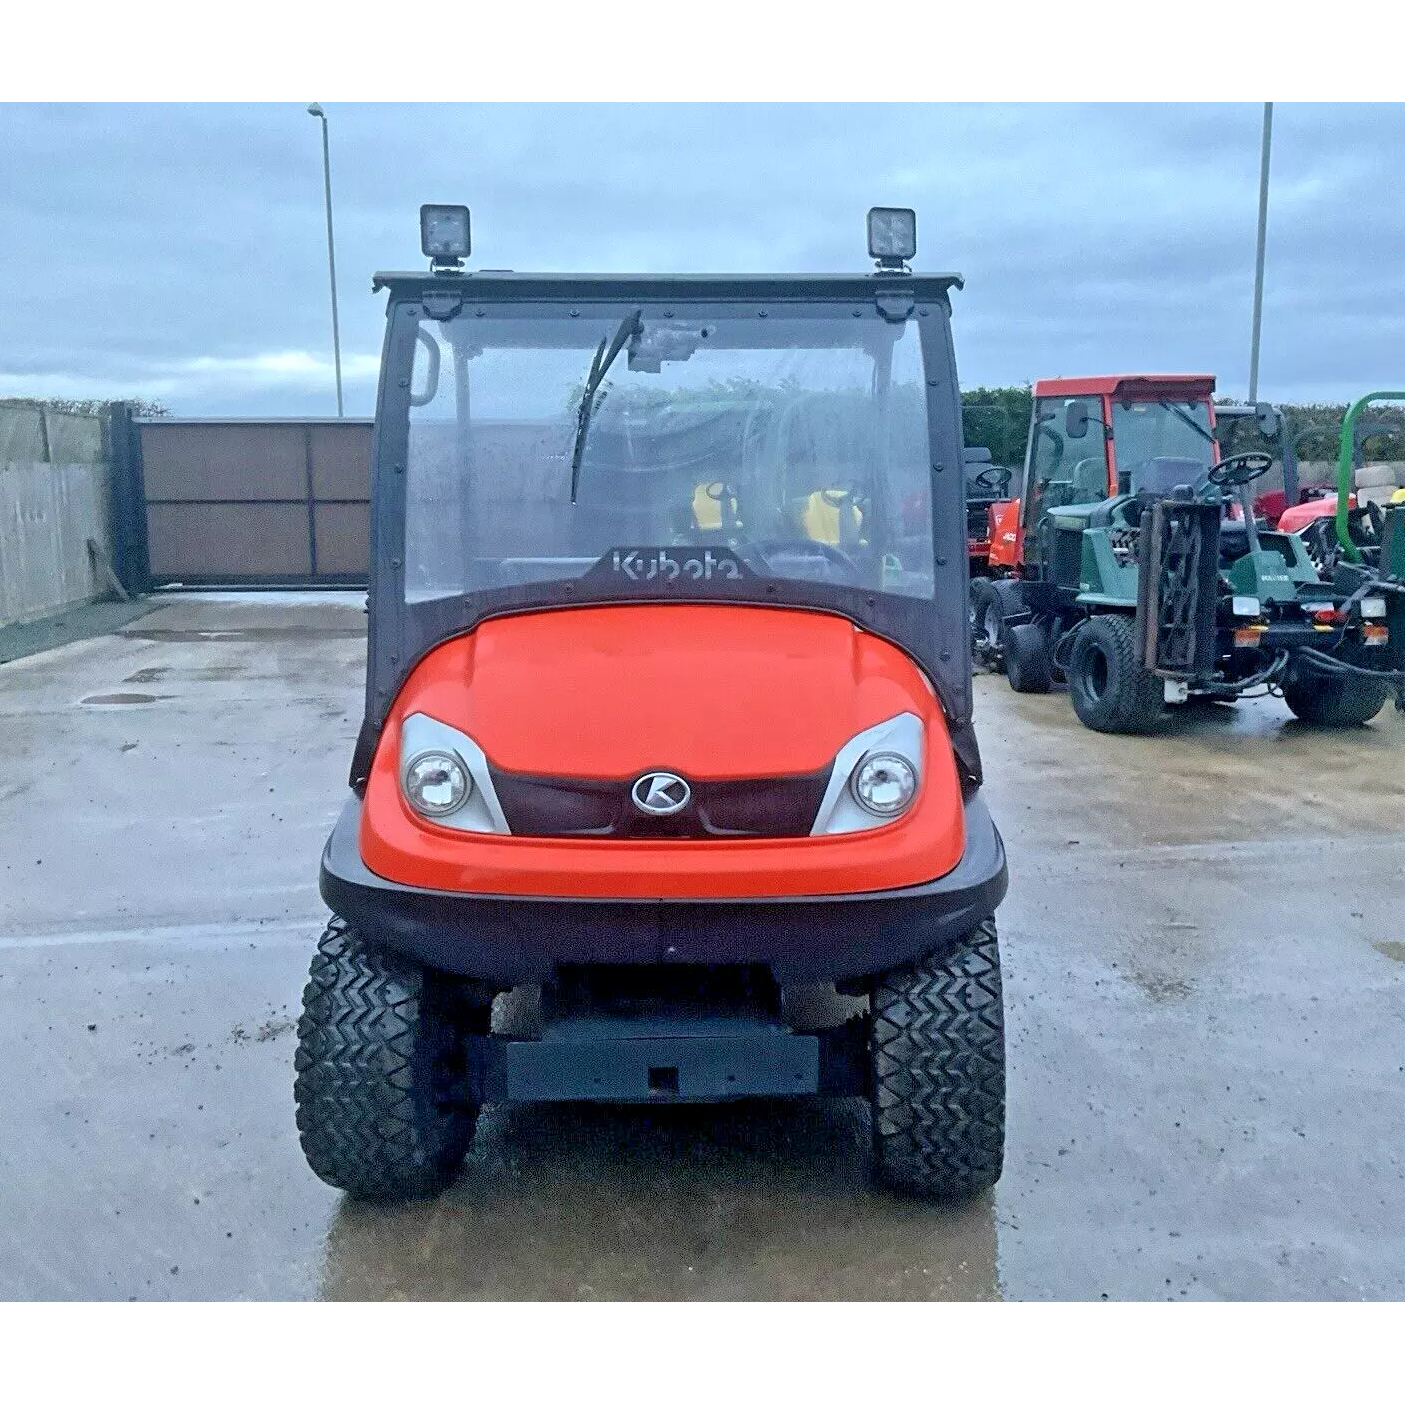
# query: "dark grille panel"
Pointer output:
{"type": "Point", "coordinates": [771, 807]}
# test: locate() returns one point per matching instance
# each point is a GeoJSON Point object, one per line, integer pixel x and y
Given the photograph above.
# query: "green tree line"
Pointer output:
{"type": "Point", "coordinates": [146, 409]}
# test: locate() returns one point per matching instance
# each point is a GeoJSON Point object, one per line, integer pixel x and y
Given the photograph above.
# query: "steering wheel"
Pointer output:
{"type": "Point", "coordinates": [995, 478]}
{"type": "Point", "coordinates": [807, 547]}
{"type": "Point", "coordinates": [1239, 469]}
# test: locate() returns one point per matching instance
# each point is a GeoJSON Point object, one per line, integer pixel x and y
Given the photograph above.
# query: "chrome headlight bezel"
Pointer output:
{"type": "Point", "coordinates": [479, 811]}
{"type": "Point", "coordinates": [840, 811]}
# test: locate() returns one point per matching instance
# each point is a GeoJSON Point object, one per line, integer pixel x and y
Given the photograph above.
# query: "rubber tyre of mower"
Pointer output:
{"type": "Point", "coordinates": [937, 1065]}
{"type": "Point", "coordinates": [381, 1066]}
{"type": "Point", "coordinates": [1325, 701]}
{"type": "Point", "coordinates": [1027, 662]}
{"type": "Point", "coordinates": [987, 617]}
{"type": "Point", "coordinates": [1109, 688]}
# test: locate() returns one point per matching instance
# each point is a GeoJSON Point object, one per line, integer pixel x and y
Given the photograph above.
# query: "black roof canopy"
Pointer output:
{"type": "Point", "coordinates": [505, 285]}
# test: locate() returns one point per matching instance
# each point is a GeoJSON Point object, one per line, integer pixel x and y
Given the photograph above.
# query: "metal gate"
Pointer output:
{"type": "Point", "coordinates": [255, 502]}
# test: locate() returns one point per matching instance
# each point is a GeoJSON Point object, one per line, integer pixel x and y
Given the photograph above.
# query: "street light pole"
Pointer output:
{"type": "Point", "coordinates": [315, 110]}
{"type": "Point", "coordinates": [1259, 255]}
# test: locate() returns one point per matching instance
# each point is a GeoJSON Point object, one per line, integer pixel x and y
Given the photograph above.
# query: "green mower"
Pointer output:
{"type": "Point", "coordinates": [1169, 589]}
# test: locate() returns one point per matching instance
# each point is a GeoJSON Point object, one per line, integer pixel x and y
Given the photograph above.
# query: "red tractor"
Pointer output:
{"type": "Point", "coordinates": [987, 491]}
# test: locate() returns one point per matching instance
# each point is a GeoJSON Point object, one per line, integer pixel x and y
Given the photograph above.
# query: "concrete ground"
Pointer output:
{"type": "Point", "coordinates": [1205, 960]}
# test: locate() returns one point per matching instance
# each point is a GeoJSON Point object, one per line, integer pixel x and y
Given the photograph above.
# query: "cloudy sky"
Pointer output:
{"type": "Point", "coordinates": [178, 253]}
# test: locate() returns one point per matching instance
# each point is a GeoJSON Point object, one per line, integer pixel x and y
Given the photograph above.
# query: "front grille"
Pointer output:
{"type": "Point", "coordinates": [769, 807]}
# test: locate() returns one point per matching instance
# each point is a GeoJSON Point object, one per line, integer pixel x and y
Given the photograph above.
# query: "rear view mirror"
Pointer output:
{"type": "Point", "coordinates": [657, 344]}
{"type": "Point", "coordinates": [1076, 420]}
{"type": "Point", "coordinates": [1268, 419]}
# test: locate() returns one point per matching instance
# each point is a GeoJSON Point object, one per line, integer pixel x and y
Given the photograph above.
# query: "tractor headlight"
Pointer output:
{"type": "Point", "coordinates": [1246, 606]}
{"type": "Point", "coordinates": [1373, 607]}
{"type": "Point", "coordinates": [445, 777]}
{"type": "Point", "coordinates": [875, 777]}
{"type": "Point", "coordinates": [884, 783]}
{"type": "Point", "coordinates": [436, 784]}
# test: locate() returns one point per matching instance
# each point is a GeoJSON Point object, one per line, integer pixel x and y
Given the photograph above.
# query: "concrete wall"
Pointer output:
{"type": "Point", "coordinates": [47, 513]}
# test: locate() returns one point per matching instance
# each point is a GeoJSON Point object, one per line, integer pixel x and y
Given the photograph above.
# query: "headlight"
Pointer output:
{"type": "Point", "coordinates": [875, 777]}
{"type": "Point", "coordinates": [436, 783]}
{"type": "Point", "coordinates": [884, 783]}
{"type": "Point", "coordinates": [1373, 608]}
{"type": "Point", "coordinates": [445, 777]}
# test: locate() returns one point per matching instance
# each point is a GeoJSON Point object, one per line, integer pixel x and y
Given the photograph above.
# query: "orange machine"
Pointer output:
{"type": "Point", "coordinates": [668, 710]}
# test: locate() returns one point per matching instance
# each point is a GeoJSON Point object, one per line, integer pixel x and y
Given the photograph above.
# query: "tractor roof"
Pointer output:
{"type": "Point", "coordinates": [506, 285]}
{"type": "Point", "coordinates": [1152, 385]}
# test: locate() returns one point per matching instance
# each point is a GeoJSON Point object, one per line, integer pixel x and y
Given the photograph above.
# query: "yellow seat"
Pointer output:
{"type": "Point", "coordinates": [830, 517]}
{"type": "Point", "coordinates": [708, 499]}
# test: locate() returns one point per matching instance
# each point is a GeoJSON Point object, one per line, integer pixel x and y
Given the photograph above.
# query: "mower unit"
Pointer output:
{"type": "Point", "coordinates": [1144, 577]}
{"type": "Point", "coordinates": [668, 711]}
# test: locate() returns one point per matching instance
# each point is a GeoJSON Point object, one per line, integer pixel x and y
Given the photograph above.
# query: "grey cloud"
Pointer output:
{"type": "Point", "coordinates": [155, 245]}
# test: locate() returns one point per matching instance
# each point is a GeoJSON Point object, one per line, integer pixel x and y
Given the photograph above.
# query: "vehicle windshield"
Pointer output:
{"type": "Point", "coordinates": [792, 445]}
{"type": "Point", "coordinates": [1147, 431]}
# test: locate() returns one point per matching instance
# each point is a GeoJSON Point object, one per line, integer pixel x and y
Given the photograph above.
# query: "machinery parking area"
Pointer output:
{"type": "Point", "coordinates": [1205, 983]}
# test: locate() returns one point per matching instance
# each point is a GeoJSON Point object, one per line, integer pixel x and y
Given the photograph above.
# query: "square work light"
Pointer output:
{"type": "Point", "coordinates": [444, 235]}
{"type": "Point", "coordinates": [892, 235]}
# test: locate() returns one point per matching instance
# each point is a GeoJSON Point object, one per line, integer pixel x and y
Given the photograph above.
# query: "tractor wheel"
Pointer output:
{"type": "Point", "coordinates": [938, 1071]}
{"type": "Point", "coordinates": [987, 618]}
{"type": "Point", "coordinates": [1110, 690]}
{"type": "Point", "coordinates": [382, 1110]}
{"type": "Point", "coordinates": [1325, 701]}
{"type": "Point", "coordinates": [1027, 663]}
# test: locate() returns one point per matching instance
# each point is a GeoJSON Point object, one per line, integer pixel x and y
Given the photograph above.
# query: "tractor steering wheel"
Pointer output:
{"type": "Point", "coordinates": [1239, 469]}
{"type": "Point", "coordinates": [995, 478]}
{"type": "Point", "coordinates": [774, 547]}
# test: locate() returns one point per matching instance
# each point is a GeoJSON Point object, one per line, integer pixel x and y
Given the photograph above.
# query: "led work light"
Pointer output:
{"type": "Point", "coordinates": [444, 234]}
{"type": "Point", "coordinates": [892, 235]}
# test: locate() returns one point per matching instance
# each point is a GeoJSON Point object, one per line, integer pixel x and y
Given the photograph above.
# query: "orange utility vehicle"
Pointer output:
{"type": "Point", "coordinates": [668, 710]}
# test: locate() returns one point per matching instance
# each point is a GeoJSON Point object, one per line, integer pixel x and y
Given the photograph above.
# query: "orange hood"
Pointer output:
{"type": "Point", "coordinates": [714, 691]}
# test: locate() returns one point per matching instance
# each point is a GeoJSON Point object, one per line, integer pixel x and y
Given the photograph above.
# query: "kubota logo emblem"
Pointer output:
{"type": "Point", "coordinates": [660, 793]}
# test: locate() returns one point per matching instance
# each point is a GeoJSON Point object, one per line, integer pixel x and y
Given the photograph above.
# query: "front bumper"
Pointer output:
{"type": "Point", "coordinates": [514, 940]}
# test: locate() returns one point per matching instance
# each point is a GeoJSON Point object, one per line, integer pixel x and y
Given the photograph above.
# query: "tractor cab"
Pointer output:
{"type": "Point", "coordinates": [1104, 448]}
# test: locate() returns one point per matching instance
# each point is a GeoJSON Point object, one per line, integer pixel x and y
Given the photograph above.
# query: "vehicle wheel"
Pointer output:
{"type": "Point", "coordinates": [987, 617]}
{"type": "Point", "coordinates": [1027, 663]}
{"type": "Point", "coordinates": [1110, 689]}
{"type": "Point", "coordinates": [382, 1109]}
{"type": "Point", "coordinates": [1325, 701]}
{"type": "Point", "coordinates": [938, 1071]}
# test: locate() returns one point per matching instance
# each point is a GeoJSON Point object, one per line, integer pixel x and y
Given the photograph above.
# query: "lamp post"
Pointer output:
{"type": "Point", "coordinates": [315, 110]}
{"type": "Point", "coordinates": [1259, 255]}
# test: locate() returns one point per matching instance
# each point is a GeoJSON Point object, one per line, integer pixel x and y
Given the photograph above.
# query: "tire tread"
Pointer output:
{"type": "Point", "coordinates": [938, 1066]}
{"type": "Point", "coordinates": [372, 1039]}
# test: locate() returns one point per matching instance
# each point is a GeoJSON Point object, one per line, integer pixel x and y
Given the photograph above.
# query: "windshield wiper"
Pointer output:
{"type": "Point", "coordinates": [605, 355]}
{"type": "Point", "coordinates": [1180, 414]}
